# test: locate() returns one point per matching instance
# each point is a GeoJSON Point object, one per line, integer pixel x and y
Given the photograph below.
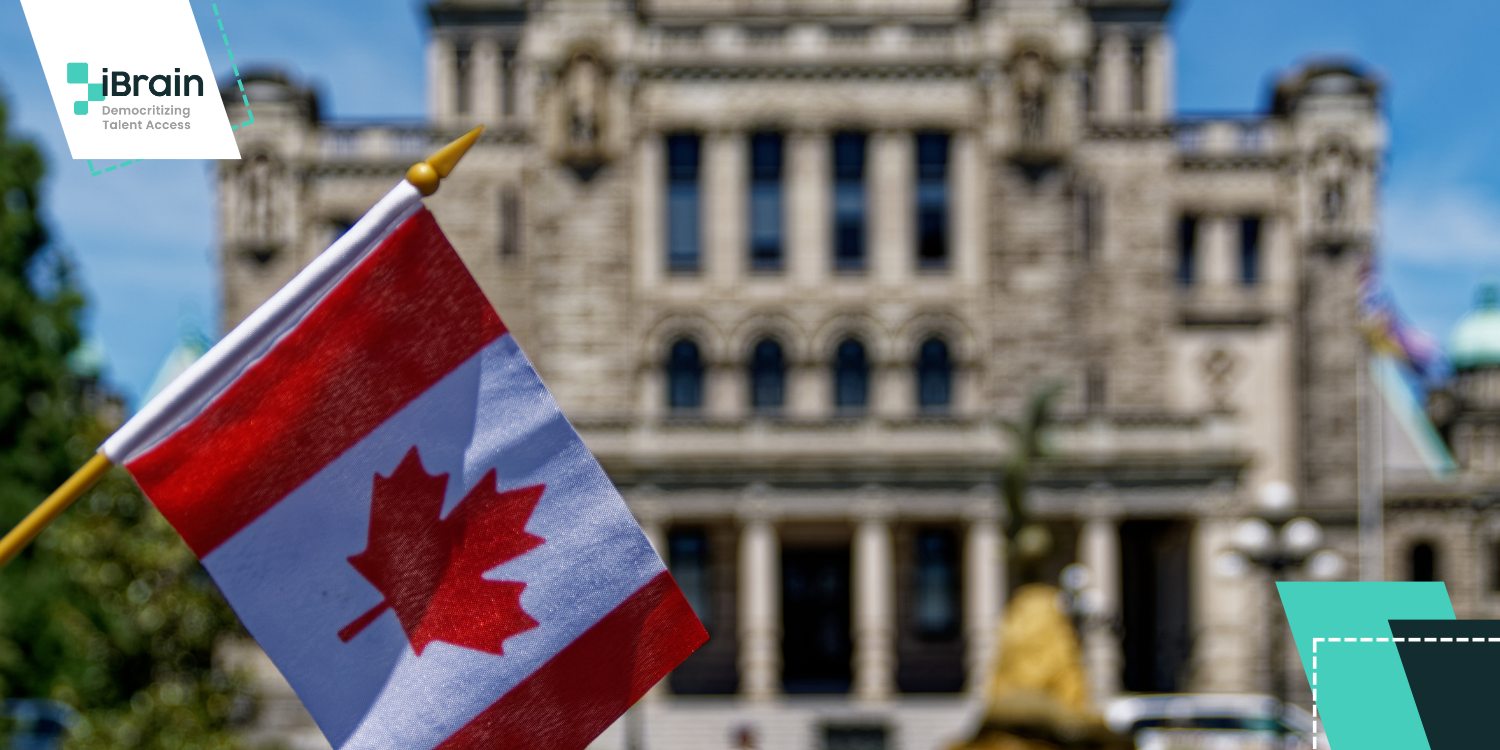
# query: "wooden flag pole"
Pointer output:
{"type": "Point", "coordinates": [53, 506]}
{"type": "Point", "coordinates": [424, 176]}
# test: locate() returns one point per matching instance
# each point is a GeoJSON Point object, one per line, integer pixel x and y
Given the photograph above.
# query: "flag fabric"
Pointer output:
{"type": "Point", "coordinates": [1388, 331]}
{"type": "Point", "coordinates": [394, 505]}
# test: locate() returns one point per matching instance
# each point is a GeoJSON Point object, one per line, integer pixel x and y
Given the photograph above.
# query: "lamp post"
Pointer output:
{"type": "Point", "coordinates": [1296, 546]}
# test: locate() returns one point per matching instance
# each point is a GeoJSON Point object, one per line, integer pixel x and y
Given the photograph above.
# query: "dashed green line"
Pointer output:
{"type": "Point", "coordinates": [237, 78]}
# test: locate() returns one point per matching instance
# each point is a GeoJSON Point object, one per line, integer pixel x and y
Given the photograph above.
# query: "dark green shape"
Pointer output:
{"type": "Point", "coordinates": [1456, 683]}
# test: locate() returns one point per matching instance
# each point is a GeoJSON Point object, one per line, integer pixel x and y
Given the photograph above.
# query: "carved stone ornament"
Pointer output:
{"type": "Point", "coordinates": [582, 90]}
{"type": "Point", "coordinates": [1219, 375]}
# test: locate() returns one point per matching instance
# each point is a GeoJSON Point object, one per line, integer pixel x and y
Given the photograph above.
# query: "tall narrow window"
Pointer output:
{"type": "Point", "coordinates": [1094, 389]}
{"type": "Point", "coordinates": [1138, 75]}
{"type": "Point", "coordinates": [687, 559]}
{"type": "Point", "coordinates": [766, 201]}
{"type": "Point", "coordinates": [1424, 562]}
{"type": "Point", "coordinates": [684, 376]}
{"type": "Point", "coordinates": [934, 376]}
{"type": "Point", "coordinates": [510, 223]}
{"type": "Point", "coordinates": [1187, 249]}
{"type": "Point", "coordinates": [767, 376]}
{"type": "Point", "coordinates": [1250, 250]}
{"type": "Point", "coordinates": [508, 82]}
{"type": "Point", "coordinates": [932, 200]}
{"type": "Point", "coordinates": [935, 594]}
{"type": "Point", "coordinates": [682, 202]}
{"type": "Point", "coordinates": [461, 80]}
{"type": "Point", "coordinates": [851, 376]}
{"type": "Point", "coordinates": [849, 201]}
{"type": "Point", "coordinates": [1494, 566]}
{"type": "Point", "coordinates": [1089, 212]}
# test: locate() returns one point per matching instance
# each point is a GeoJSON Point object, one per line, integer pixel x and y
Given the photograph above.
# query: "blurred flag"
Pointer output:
{"type": "Point", "coordinates": [1387, 329]}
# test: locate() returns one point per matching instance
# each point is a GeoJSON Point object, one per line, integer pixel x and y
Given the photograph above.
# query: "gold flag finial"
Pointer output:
{"type": "Point", "coordinates": [425, 175]}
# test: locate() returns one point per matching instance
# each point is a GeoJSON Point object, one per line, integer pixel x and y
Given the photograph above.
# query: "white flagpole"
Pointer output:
{"type": "Point", "coordinates": [1371, 469]}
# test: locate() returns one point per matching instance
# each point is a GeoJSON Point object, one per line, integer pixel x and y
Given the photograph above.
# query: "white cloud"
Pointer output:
{"type": "Point", "coordinates": [1444, 227]}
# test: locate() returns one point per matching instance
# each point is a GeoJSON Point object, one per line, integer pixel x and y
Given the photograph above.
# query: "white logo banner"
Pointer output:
{"type": "Point", "coordinates": [131, 79]}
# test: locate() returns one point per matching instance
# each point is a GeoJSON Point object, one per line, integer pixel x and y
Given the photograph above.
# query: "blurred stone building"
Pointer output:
{"type": "Point", "coordinates": [788, 266]}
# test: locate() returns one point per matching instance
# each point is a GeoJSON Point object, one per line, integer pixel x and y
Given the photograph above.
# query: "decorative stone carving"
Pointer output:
{"type": "Point", "coordinates": [1219, 375]}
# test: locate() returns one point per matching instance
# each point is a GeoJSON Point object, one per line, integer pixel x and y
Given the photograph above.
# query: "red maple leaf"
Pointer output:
{"type": "Point", "coordinates": [430, 568]}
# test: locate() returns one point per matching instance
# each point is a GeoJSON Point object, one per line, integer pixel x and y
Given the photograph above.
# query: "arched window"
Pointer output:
{"type": "Point", "coordinates": [767, 375]}
{"type": "Point", "coordinates": [684, 376]}
{"type": "Point", "coordinates": [851, 376]}
{"type": "Point", "coordinates": [1424, 562]}
{"type": "Point", "coordinates": [934, 375]}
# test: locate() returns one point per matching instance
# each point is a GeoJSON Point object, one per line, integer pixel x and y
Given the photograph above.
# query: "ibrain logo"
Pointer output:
{"type": "Point", "coordinates": [121, 83]}
{"type": "Point", "coordinates": [79, 73]}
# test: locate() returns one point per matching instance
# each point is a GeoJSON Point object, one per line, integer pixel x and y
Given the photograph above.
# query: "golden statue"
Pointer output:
{"type": "Point", "coordinates": [1037, 697]}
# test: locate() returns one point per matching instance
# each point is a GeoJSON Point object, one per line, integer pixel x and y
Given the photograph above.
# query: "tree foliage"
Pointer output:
{"type": "Point", "coordinates": [108, 611]}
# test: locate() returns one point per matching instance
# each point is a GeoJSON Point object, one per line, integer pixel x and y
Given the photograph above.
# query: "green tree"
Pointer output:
{"type": "Point", "coordinates": [108, 611]}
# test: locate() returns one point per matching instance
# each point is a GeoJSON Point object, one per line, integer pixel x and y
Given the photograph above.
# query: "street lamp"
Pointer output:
{"type": "Point", "coordinates": [1297, 546]}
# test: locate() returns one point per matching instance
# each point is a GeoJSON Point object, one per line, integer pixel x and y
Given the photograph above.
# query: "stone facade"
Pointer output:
{"type": "Point", "coordinates": [1007, 178]}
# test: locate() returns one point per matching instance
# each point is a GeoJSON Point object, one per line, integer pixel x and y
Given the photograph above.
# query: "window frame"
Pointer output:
{"type": "Point", "coordinates": [683, 203]}
{"type": "Point", "coordinates": [850, 202]}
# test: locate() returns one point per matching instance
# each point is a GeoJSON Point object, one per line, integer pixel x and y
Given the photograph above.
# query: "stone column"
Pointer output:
{"type": "Point", "coordinates": [1099, 550]}
{"type": "Point", "coordinates": [650, 210]}
{"type": "Point", "coordinates": [984, 592]}
{"type": "Point", "coordinates": [892, 244]}
{"type": "Point", "coordinates": [1158, 77]}
{"type": "Point", "coordinates": [808, 203]}
{"type": "Point", "coordinates": [759, 609]}
{"type": "Point", "coordinates": [484, 81]}
{"type": "Point", "coordinates": [1112, 78]}
{"type": "Point", "coordinates": [967, 201]}
{"type": "Point", "coordinates": [724, 200]}
{"type": "Point", "coordinates": [442, 74]}
{"type": "Point", "coordinates": [1218, 251]}
{"type": "Point", "coordinates": [874, 609]}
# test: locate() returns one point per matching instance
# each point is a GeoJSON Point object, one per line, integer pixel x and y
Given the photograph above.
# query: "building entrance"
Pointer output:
{"type": "Point", "coordinates": [815, 644]}
{"type": "Point", "coordinates": [1154, 603]}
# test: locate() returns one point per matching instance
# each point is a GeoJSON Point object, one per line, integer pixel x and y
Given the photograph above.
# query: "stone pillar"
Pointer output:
{"type": "Point", "coordinates": [442, 73]}
{"type": "Point", "coordinates": [760, 610]}
{"type": "Point", "coordinates": [874, 609]}
{"type": "Point", "coordinates": [984, 592]}
{"type": "Point", "coordinates": [1158, 78]}
{"type": "Point", "coordinates": [892, 241]}
{"type": "Point", "coordinates": [484, 82]}
{"type": "Point", "coordinates": [967, 201]}
{"type": "Point", "coordinates": [724, 181]}
{"type": "Point", "coordinates": [1099, 550]}
{"type": "Point", "coordinates": [650, 211]}
{"type": "Point", "coordinates": [808, 203]}
{"type": "Point", "coordinates": [1218, 251]}
{"type": "Point", "coordinates": [1112, 78]}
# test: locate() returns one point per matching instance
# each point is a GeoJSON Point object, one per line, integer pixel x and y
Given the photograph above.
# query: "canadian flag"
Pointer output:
{"type": "Point", "coordinates": [389, 498]}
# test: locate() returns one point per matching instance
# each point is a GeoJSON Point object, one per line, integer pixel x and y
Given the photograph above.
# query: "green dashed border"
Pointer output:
{"type": "Point", "coordinates": [237, 80]}
{"type": "Point", "coordinates": [97, 172]}
{"type": "Point", "coordinates": [235, 67]}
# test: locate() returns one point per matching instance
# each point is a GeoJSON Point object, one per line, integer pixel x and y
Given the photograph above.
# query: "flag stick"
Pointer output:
{"type": "Point", "coordinates": [424, 176]}
{"type": "Point", "coordinates": [53, 506]}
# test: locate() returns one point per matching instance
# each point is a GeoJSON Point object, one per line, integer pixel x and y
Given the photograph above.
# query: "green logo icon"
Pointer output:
{"type": "Point", "coordinates": [79, 73]}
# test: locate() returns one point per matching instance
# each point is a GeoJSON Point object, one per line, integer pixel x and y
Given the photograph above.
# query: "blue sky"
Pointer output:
{"type": "Point", "coordinates": [144, 235]}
